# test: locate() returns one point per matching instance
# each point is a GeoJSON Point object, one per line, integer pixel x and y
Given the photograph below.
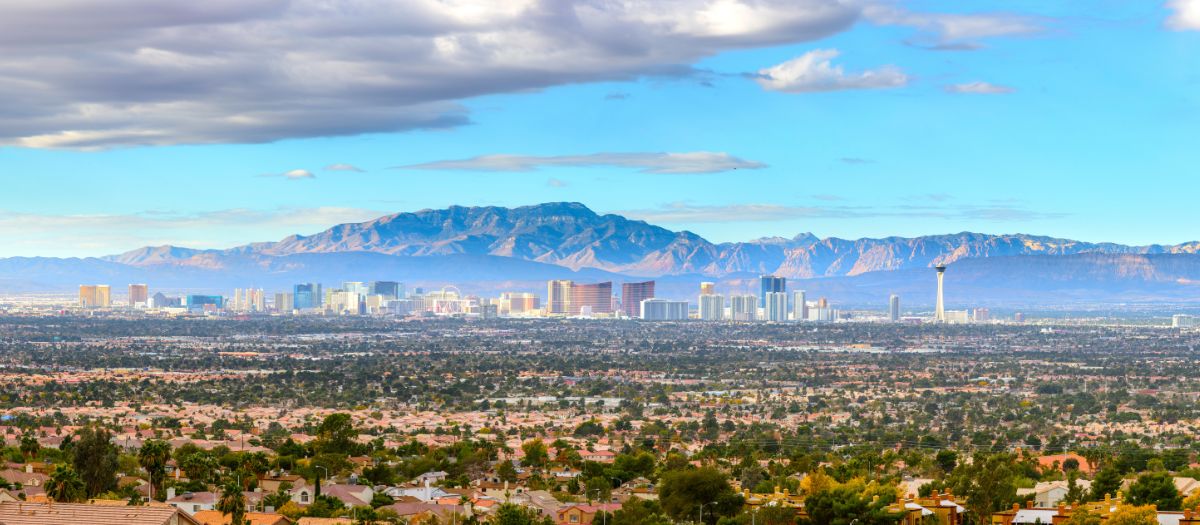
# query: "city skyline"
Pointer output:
{"type": "Point", "coordinates": [865, 119]}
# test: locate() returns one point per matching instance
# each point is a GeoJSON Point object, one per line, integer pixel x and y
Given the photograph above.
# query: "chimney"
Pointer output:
{"type": "Point", "coordinates": [170, 492]}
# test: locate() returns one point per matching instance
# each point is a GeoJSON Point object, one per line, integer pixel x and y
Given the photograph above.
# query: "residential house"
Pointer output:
{"type": "Point", "coordinates": [584, 514]}
{"type": "Point", "coordinates": [1048, 494]}
{"type": "Point", "coordinates": [214, 517]}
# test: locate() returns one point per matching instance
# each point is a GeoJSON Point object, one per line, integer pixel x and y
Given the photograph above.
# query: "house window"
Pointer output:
{"type": "Point", "coordinates": [303, 497]}
{"type": "Point", "coordinates": [574, 518]}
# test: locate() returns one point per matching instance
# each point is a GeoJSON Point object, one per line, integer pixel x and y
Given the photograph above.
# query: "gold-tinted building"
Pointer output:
{"type": "Point", "coordinates": [95, 296]}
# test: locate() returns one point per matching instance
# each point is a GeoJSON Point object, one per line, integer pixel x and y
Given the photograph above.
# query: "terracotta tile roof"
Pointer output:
{"type": "Point", "coordinates": [24, 513]}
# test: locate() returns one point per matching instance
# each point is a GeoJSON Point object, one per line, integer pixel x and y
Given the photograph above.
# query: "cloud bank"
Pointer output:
{"type": "Point", "coordinates": [84, 74]}
{"type": "Point", "coordinates": [814, 72]}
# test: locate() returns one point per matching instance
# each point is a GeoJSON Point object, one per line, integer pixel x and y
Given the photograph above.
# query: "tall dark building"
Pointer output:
{"type": "Point", "coordinates": [771, 284]}
{"type": "Point", "coordinates": [632, 295]}
{"type": "Point", "coordinates": [307, 295]}
{"type": "Point", "coordinates": [388, 289]}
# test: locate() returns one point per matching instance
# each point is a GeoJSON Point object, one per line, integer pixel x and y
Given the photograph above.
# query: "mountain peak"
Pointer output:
{"type": "Point", "coordinates": [570, 234]}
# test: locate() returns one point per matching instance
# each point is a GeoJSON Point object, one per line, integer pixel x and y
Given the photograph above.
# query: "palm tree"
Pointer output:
{"type": "Point", "coordinates": [153, 457]}
{"type": "Point", "coordinates": [65, 485]}
{"type": "Point", "coordinates": [233, 503]}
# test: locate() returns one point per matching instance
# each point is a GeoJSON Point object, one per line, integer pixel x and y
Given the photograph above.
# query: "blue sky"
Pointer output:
{"type": "Point", "coordinates": [1077, 119]}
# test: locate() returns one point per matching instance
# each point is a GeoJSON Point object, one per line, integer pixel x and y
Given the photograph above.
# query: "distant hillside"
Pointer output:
{"type": "Point", "coordinates": [571, 235]}
{"type": "Point", "coordinates": [490, 249]}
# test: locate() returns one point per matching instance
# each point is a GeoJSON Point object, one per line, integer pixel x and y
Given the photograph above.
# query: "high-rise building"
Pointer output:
{"type": "Point", "coordinates": [707, 288]}
{"type": "Point", "coordinates": [663, 310]}
{"type": "Point", "coordinates": [1184, 321]}
{"type": "Point", "coordinates": [248, 300]}
{"type": "Point", "coordinates": [558, 297]}
{"type": "Point", "coordinates": [307, 296]}
{"type": "Point", "coordinates": [776, 308]}
{"type": "Point", "coordinates": [388, 289]}
{"type": "Point", "coordinates": [342, 302]}
{"type": "Point", "coordinates": [591, 299]}
{"type": "Point", "coordinates": [357, 287]}
{"type": "Point", "coordinates": [517, 303]}
{"type": "Point", "coordinates": [138, 294]}
{"type": "Point", "coordinates": [939, 314]}
{"type": "Point", "coordinates": [712, 307]}
{"type": "Point", "coordinates": [632, 295]}
{"type": "Point", "coordinates": [743, 307]}
{"type": "Point", "coordinates": [284, 302]}
{"type": "Point", "coordinates": [981, 315]}
{"type": "Point", "coordinates": [800, 305]}
{"type": "Point", "coordinates": [894, 308]}
{"type": "Point", "coordinates": [769, 284]}
{"type": "Point", "coordinates": [95, 296]}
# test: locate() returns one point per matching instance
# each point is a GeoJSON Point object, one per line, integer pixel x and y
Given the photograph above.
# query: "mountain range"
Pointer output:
{"type": "Point", "coordinates": [493, 248]}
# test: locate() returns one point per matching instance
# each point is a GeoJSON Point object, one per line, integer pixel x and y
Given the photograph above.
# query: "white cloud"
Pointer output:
{"type": "Point", "coordinates": [343, 167]}
{"type": "Point", "coordinates": [82, 74]}
{"type": "Point", "coordinates": [1186, 16]}
{"type": "Point", "coordinates": [663, 163]}
{"type": "Point", "coordinates": [814, 71]}
{"type": "Point", "coordinates": [297, 174]}
{"type": "Point", "coordinates": [980, 88]}
{"type": "Point", "coordinates": [954, 31]}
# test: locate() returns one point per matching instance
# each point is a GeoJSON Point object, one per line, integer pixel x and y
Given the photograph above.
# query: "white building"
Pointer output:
{"type": "Point", "coordinates": [776, 306]}
{"type": "Point", "coordinates": [743, 307]}
{"type": "Point", "coordinates": [1184, 321]}
{"type": "Point", "coordinates": [664, 310]}
{"type": "Point", "coordinates": [712, 307]}
{"type": "Point", "coordinates": [800, 305]}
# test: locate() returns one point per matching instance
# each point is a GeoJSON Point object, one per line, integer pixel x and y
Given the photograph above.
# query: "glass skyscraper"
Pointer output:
{"type": "Point", "coordinates": [307, 295]}
{"type": "Point", "coordinates": [770, 284]}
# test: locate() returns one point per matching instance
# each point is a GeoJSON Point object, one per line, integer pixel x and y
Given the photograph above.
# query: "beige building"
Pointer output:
{"type": "Point", "coordinates": [95, 296]}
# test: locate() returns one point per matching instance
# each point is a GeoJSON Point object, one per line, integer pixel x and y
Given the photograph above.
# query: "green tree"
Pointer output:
{"type": "Point", "coordinates": [29, 446]}
{"type": "Point", "coordinates": [536, 454]}
{"type": "Point", "coordinates": [1107, 483]}
{"type": "Point", "coordinates": [638, 511]}
{"type": "Point", "coordinates": [947, 460]}
{"type": "Point", "coordinates": [988, 482]}
{"type": "Point", "coordinates": [65, 485]}
{"type": "Point", "coordinates": [511, 514]}
{"type": "Point", "coordinates": [95, 459]}
{"type": "Point", "coordinates": [849, 503]}
{"type": "Point", "coordinates": [1155, 488]}
{"type": "Point", "coordinates": [336, 434]}
{"type": "Point", "coordinates": [682, 492]}
{"type": "Point", "coordinates": [1075, 493]}
{"type": "Point", "coordinates": [153, 457]}
{"type": "Point", "coordinates": [506, 471]}
{"type": "Point", "coordinates": [232, 503]}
